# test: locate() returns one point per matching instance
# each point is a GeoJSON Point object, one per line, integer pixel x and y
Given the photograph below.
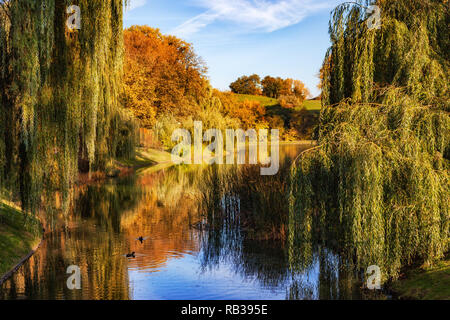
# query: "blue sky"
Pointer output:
{"type": "Point", "coordinates": [285, 38]}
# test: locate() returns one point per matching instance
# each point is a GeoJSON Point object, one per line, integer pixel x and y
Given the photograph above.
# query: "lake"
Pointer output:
{"type": "Point", "coordinates": [189, 252]}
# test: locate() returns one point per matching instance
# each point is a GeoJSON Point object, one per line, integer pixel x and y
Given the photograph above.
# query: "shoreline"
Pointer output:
{"type": "Point", "coordinates": [10, 273]}
{"type": "Point", "coordinates": [145, 159]}
{"type": "Point", "coordinates": [5, 211]}
{"type": "Point", "coordinates": [418, 283]}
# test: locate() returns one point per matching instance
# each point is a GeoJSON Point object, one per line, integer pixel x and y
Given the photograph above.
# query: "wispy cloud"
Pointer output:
{"type": "Point", "coordinates": [133, 4]}
{"type": "Point", "coordinates": [252, 15]}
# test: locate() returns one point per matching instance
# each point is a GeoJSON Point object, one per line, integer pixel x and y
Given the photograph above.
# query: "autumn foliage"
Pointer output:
{"type": "Point", "coordinates": [162, 74]}
{"type": "Point", "coordinates": [247, 85]}
{"type": "Point", "coordinates": [270, 87]}
{"type": "Point", "coordinates": [166, 87]}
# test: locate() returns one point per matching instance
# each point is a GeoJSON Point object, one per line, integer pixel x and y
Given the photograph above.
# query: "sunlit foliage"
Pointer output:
{"type": "Point", "coordinates": [410, 50]}
{"type": "Point", "coordinates": [270, 87]}
{"type": "Point", "coordinates": [377, 186]}
{"type": "Point", "coordinates": [162, 75]}
{"type": "Point", "coordinates": [60, 96]}
{"type": "Point", "coordinates": [247, 85]}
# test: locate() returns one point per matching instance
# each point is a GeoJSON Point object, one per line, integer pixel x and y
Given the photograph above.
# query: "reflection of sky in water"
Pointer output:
{"type": "Point", "coordinates": [176, 261]}
{"type": "Point", "coordinates": [183, 279]}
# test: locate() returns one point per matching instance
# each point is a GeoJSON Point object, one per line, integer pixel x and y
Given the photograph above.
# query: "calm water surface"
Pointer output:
{"type": "Point", "coordinates": [177, 260]}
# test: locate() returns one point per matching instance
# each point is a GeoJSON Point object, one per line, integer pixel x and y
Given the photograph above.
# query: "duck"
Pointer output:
{"type": "Point", "coordinates": [131, 255]}
{"type": "Point", "coordinates": [141, 239]}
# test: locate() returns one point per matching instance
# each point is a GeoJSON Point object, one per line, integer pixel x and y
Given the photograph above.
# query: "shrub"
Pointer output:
{"type": "Point", "coordinates": [290, 101]}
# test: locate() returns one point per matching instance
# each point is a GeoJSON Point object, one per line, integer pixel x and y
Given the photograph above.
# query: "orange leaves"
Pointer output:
{"type": "Point", "coordinates": [250, 113]}
{"type": "Point", "coordinates": [162, 74]}
{"type": "Point", "coordinates": [300, 90]}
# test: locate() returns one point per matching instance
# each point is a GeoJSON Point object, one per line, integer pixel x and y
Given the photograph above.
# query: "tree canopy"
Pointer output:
{"type": "Point", "coordinates": [247, 85]}
{"type": "Point", "coordinates": [60, 96]}
{"type": "Point", "coordinates": [270, 87]}
{"type": "Point", "coordinates": [377, 186]}
{"type": "Point", "coordinates": [411, 50]}
{"type": "Point", "coordinates": [162, 74]}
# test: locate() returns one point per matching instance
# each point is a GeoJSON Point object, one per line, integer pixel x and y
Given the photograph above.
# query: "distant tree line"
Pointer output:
{"type": "Point", "coordinates": [270, 87]}
{"type": "Point", "coordinates": [166, 87]}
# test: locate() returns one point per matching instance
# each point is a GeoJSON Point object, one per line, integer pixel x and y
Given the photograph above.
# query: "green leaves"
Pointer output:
{"type": "Point", "coordinates": [62, 91]}
{"type": "Point", "coordinates": [381, 181]}
{"type": "Point", "coordinates": [378, 184]}
{"type": "Point", "coordinates": [408, 51]}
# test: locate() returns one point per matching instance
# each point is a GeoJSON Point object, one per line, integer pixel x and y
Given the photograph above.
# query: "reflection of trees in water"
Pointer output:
{"type": "Point", "coordinates": [242, 206]}
{"type": "Point", "coordinates": [105, 204]}
{"type": "Point", "coordinates": [326, 277]}
{"type": "Point", "coordinates": [163, 215]}
{"type": "Point", "coordinates": [240, 195]}
{"type": "Point", "coordinates": [261, 260]}
{"type": "Point", "coordinates": [323, 276]}
{"type": "Point", "coordinates": [102, 226]}
{"type": "Point", "coordinates": [88, 237]}
{"type": "Point", "coordinates": [98, 254]}
{"type": "Point", "coordinates": [233, 199]}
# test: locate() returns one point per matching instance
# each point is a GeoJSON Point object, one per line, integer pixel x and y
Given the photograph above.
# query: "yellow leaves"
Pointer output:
{"type": "Point", "coordinates": [162, 74]}
{"type": "Point", "coordinates": [250, 113]}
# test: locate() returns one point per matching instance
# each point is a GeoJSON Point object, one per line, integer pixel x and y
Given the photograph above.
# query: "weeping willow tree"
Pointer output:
{"type": "Point", "coordinates": [60, 96]}
{"type": "Point", "coordinates": [411, 50]}
{"type": "Point", "coordinates": [377, 188]}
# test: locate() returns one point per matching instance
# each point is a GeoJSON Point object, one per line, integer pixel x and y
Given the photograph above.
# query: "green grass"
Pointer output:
{"type": "Point", "coordinates": [146, 157]}
{"type": "Point", "coordinates": [313, 105]}
{"type": "Point", "coordinates": [265, 101]}
{"type": "Point", "coordinates": [158, 156]}
{"type": "Point", "coordinates": [19, 234]}
{"type": "Point", "coordinates": [310, 105]}
{"type": "Point", "coordinates": [430, 284]}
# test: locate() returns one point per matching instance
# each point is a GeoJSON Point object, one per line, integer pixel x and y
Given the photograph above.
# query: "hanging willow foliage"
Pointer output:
{"type": "Point", "coordinates": [60, 95]}
{"type": "Point", "coordinates": [377, 188]}
{"type": "Point", "coordinates": [410, 50]}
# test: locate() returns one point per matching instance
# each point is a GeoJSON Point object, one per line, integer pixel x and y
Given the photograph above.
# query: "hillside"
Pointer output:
{"type": "Point", "coordinates": [310, 105]}
{"type": "Point", "coordinates": [265, 101]}
{"type": "Point", "coordinates": [300, 121]}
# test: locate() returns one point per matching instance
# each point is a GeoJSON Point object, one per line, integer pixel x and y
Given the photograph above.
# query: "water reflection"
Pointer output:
{"type": "Point", "coordinates": [211, 233]}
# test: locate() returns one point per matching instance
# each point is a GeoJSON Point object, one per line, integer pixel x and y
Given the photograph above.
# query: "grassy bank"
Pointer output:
{"type": "Point", "coordinates": [146, 157]}
{"type": "Point", "coordinates": [428, 284]}
{"type": "Point", "coordinates": [147, 160]}
{"type": "Point", "coordinates": [19, 234]}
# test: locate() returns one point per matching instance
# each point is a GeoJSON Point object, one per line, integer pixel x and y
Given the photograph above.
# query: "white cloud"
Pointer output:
{"type": "Point", "coordinates": [133, 4]}
{"type": "Point", "coordinates": [252, 15]}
